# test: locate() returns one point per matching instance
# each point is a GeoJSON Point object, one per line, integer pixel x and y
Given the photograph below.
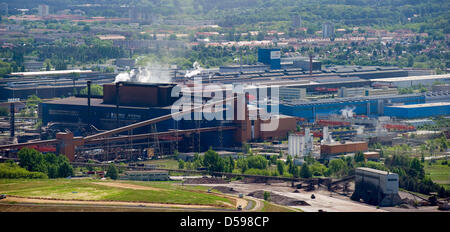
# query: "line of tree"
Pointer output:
{"type": "Point", "coordinates": [11, 170]}
{"type": "Point", "coordinates": [54, 166]}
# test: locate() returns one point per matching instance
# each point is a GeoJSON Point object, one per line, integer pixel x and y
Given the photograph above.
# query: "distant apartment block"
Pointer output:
{"type": "Point", "coordinates": [328, 30]}
{"type": "Point", "coordinates": [43, 10]}
{"type": "Point", "coordinates": [296, 21]}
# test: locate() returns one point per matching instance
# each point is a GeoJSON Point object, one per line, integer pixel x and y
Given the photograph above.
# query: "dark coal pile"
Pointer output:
{"type": "Point", "coordinates": [225, 189]}
{"type": "Point", "coordinates": [278, 199]}
{"type": "Point", "coordinates": [205, 180]}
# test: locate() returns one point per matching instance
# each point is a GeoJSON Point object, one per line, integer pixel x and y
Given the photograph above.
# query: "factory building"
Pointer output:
{"type": "Point", "coordinates": [49, 84]}
{"type": "Point", "coordinates": [333, 149]}
{"type": "Point", "coordinates": [407, 82]}
{"type": "Point", "coordinates": [376, 187]}
{"type": "Point", "coordinates": [270, 56]}
{"type": "Point", "coordinates": [418, 110]}
{"type": "Point", "coordinates": [369, 105]}
{"type": "Point", "coordinates": [140, 102]}
{"type": "Point", "coordinates": [289, 94]}
{"type": "Point", "coordinates": [244, 68]}
{"type": "Point", "coordinates": [359, 92]}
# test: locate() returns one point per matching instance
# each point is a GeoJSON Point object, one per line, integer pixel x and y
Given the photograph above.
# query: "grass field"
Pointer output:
{"type": "Point", "coordinates": [87, 189]}
{"type": "Point", "coordinates": [269, 207]}
{"type": "Point", "coordinates": [165, 163]}
{"type": "Point", "coordinates": [439, 173]}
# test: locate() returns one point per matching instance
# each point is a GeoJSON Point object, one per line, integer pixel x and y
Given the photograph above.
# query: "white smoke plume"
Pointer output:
{"type": "Point", "coordinates": [151, 73]}
{"type": "Point", "coordinates": [348, 112]}
{"type": "Point", "coordinates": [195, 71]}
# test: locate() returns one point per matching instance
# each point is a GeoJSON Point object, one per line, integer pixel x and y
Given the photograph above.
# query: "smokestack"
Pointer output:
{"type": "Point", "coordinates": [310, 64]}
{"type": "Point", "coordinates": [11, 119]}
{"type": "Point", "coordinates": [117, 104]}
{"type": "Point", "coordinates": [89, 101]}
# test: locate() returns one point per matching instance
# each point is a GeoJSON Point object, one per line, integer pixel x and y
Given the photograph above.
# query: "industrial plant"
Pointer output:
{"type": "Point", "coordinates": [293, 108]}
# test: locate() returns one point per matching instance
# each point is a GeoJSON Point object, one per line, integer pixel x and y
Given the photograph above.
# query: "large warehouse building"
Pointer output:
{"type": "Point", "coordinates": [138, 102]}
{"type": "Point", "coordinates": [368, 105]}
{"type": "Point", "coordinates": [418, 110]}
{"type": "Point", "coordinates": [407, 82]}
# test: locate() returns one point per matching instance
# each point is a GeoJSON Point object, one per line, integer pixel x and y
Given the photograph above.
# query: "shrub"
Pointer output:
{"type": "Point", "coordinates": [13, 171]}
{"type": "Point", "coordinates": [266, 196]}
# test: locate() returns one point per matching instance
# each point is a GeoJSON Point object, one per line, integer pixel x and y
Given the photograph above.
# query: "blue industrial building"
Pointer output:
{"type": "Point", "coordinates": [270, 56]}
{"type": "Point", "coordinates": [418, 110]}
{"type": "Point", "coordinates": [370, 105]}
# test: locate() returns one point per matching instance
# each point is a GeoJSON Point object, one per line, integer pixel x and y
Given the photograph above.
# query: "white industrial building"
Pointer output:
{"type": "Point", "coordinates": [406, 82]}
{"type": "Point", "coordinates": [289, 94]}
{"type": "Point", "coordinates": [300, 145]}
{"type": "Point", "coordinates": [327, 138]}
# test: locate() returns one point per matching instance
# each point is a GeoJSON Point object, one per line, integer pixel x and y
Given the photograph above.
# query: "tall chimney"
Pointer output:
{"type": "Point", "coordinates": [117, 104]}
{"type": "Point", "coordinates": [89, 102]}
{"type": "Point", "coordinates": [310, 64]}
{"type": "Point", "coordinates": [11, 119]}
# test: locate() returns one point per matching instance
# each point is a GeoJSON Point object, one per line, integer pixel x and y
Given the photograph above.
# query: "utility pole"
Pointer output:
{"type": "Point", "coordinates": [11, 119]}
{"type": "Point", "coordinates": [89, 101]}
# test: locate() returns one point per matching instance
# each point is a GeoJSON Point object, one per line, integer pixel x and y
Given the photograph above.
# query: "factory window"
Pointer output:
{"type": "Point", "coordinates": [121, 116]}
{"type": "Point", "coordinates": [392, 179]}
{"type": "Point", "coordinates": [63, 112]}
{"type": "Point", "coordinates": [134, 116]}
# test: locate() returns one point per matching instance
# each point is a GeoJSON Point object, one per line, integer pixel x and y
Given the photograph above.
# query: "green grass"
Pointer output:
{"type": "Point", "coordinates": [165, 163]}
{"type": "Point", "coordinates": [439, 173]}
{"type": "Point", "coordinates": [86, 190]}
{"type": "Point", "coordinates": [269, 207]}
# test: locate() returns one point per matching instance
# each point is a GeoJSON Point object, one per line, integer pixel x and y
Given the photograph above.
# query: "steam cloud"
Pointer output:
{"type": "Point", "coordinates": [348, 112]}
{"type": "Point", "coordinates": [197, 70]}
{"type": "Point", "coordinates": [152, 73]}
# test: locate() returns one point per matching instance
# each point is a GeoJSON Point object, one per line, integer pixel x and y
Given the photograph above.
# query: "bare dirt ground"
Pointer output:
{"type": "Point", "coordinates": [35, 207]}
{"type": "Point", "coordinates": [128, 186]}
{"type": "Point", "coordinates": [323, 200]}
{"type": "Point", "coordinates": [117, 203]}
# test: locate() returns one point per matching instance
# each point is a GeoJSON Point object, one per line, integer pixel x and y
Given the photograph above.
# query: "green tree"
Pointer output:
{"type": "Point", "coordinates": [33, 101]}
{"type": "Point", "coordinates": [337, 167]}
{"type": "Point", "coordinates": [181, 164]}
{"type": "Point", "coordinates": [266, 196]}
{"type": "Point", "coordinates": [96, 90]}
{"type": "Point", "coordinates": [242, 164]}
{"type": "Point", "coordinates": [65, 170]}
{"type": "Point", "coordinates": [359, 157]}
{"type": "Point", "coordinates": [4, 111]}
{"type": "Point", "coordinates": [280, 167]}
{"type": "Point", "coordinates": [32, 160]}
{"type": "Point", "coordinates": [213, 162]}
{"type": "Point", "coordinates": [112, 172]}
{"type": "Point", "coordinates": [257, 161]}
{"type": "Point", "coordinates": [305, 172]}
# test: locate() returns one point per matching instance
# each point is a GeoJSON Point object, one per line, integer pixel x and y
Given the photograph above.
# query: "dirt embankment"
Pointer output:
{"type": "Point", "coordinates": [224, 189]}
{"type": "Point", "coordinates": [86, 202]}
{"type": "Point", "coordinates": [278, 199]}
{"type": "Point", "coordinates": [205, 180]}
